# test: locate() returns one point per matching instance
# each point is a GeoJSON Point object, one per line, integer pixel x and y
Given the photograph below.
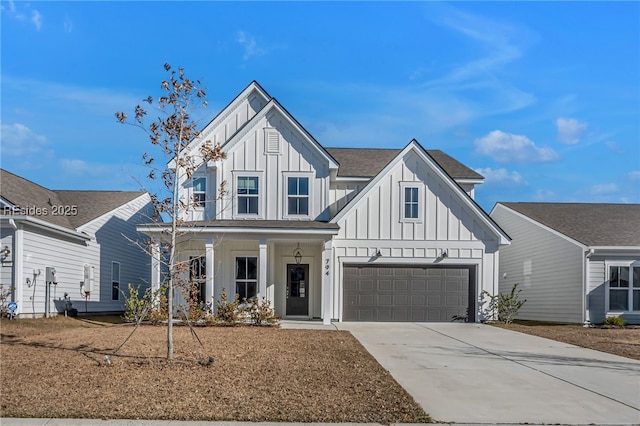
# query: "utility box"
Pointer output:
{"type": "Point", "coordinates": [50, 275]}
{"type": "Point", "coordinates": [88, 278]}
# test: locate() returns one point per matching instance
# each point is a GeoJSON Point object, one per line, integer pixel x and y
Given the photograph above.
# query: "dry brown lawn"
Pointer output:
{"type": "Point", "coordinates": [618, 341]}
{"type": "Point", "coordinates": [55, 368]}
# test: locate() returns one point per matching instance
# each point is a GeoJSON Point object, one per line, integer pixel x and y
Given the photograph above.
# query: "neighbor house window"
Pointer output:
{"type": "Point", "coordinates": [197, 275]}
{"type": "Point", "coordinates": [115, 281]}
{"type": "Point", "coordinates": [624, 288]}
{"type": "Point", "coordinates": [247, 192]}
{"type": "Point", "coordinates": [247, 277]}
{"type": "Point", "coordinates": [298, 196]}
{"type": "Point", "coordinates": [199, 191]}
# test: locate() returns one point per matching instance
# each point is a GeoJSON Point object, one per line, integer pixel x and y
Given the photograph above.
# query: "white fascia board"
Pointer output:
{"type": "Point", "coordinates": [56, 229]}
{"type": "Point", "coordinates": [224, 113]}
{"type": "Point", "coordinates": [614, 248]}
{"type": "Point", "coordinates": [110, 212]}
{"type": "Point", "coordinates": [236, 230]}
{"type": "Point", "coordinates": [474, 181]}
{"type": "Point", "coordinates": [351, 179]}
{"type": "Point", "coordinates": [553, 231]}
{"type": "Point", "coordinates": [415, 147]}
{"type": "Point", "coordinates": [6, 204]}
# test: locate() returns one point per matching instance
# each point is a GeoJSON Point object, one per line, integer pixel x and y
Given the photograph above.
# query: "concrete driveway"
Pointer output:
{"type": "Point", "coordinates": [475, 373]}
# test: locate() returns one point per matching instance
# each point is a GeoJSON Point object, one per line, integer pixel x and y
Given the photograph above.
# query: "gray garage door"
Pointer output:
{"type": "Point", "coordinates": [400, 293]}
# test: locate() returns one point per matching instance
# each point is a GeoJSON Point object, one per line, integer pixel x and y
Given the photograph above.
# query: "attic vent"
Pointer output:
{"type": "Point", "coordinates": [272, 141]}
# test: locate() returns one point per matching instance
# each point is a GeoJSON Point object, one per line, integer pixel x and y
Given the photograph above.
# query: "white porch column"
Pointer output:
{"type": "Point", "coordinates": [327, 285]}
{"type": "Point", "coordinates": [209, 265]}
{"type": "Point", "coordinates": [262, 270]}
{"type": "Point", "coordinates": [156, 266]}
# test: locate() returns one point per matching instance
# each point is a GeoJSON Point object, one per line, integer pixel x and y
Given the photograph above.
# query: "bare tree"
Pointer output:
{"type": "Point", "coordinates": [170, 135]}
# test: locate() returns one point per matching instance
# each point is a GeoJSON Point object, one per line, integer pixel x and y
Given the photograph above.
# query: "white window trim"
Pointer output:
{"type": "Point", "coordinates": [285, 192]}
{"type": "Point", "coordinates": [193, 192]}
{"type": "Point", "coordinates": [631, 265]}
{"type": "Point", "coordinates": [421, 206]}
{"type": "Point", "coordinates": [116, 281]}
{"type": "Point", "coordinates": [261, 195]}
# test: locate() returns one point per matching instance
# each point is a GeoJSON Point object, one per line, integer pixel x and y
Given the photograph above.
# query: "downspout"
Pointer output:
{"type": "Point", "coordinates": [18, 267]}
{"type": "Point", "coordinates": [585, 284]}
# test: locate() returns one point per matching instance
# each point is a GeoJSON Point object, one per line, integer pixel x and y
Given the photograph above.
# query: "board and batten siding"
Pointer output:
{"type": "Point", "coordinates": [116, 235]}
{"type": "Point", "coordinates": [446, 224]}
{"type": "Point", "coordinates": [548, 268]}
{"type": "Point", "coordinates": [249, 157]}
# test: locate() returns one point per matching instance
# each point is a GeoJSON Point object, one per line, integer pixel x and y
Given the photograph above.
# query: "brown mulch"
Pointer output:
{"type": "Point", "coordinates": [618, 341]}
{"type": "Point", "coordinates": [55, 368]}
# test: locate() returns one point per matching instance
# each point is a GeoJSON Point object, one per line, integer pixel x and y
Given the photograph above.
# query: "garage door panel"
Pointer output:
{"type": "Point", "coordinates": [387, 293]}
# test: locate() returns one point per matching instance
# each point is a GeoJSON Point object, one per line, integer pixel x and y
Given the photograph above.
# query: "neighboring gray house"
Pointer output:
{"type": "Point", "coordinates": [575, 262]}
{"type": "Point", "coordinates": [82, 235]}
{"type": "Point", "coordinates": [333, 233]}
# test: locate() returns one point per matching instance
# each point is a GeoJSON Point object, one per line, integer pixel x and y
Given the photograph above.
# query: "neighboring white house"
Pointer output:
{"type": "Point", "coordinates": [81, 235]}
{"type": "Point", "coordinates": [331, 233]}
{"type": "Point", "coordinates": [575, 262]}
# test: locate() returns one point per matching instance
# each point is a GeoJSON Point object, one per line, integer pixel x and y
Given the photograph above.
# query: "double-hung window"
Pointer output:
{"type": "Point", "coordinates": [624, 288]}
{"type": "Point", "coordinates": [247, 192]}
{"type": "Point", "coordinates": [246, 277]}
{"type": "Point", "coordinates": [115, 281]}
{"type": "Point", "coordinates": [199, 191]}
{"type": "Point", "coordinates": [298, 196]}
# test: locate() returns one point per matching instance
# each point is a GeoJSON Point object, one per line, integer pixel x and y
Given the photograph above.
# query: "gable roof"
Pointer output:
{"type": "Point", "coordinates": [25, 194]}
{"type": "Point", "coordinates": [592, 224]}
{"type": "Point", "coordinates": [502, 236]}
{"type": "Point", "coordinates": [365, 162]}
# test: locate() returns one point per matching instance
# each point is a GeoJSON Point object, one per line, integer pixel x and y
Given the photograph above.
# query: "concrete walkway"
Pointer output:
{"type": "Point", "coordinates": [474, 373]}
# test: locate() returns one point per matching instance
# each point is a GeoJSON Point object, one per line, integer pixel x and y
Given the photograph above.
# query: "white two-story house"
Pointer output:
{"type": "Point", "coordinates": [334, 233]}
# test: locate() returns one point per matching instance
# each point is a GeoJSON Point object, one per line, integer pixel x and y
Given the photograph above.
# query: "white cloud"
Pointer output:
{"type": "Point", "coordinates": [544, 195]}
{"type": "Point", "coordinates": [250, 45]}
{"type": "Point", "coordinates": [634, 175]}
{"type": "Point", "coordinates": [604, 188]}
{"type": "Point", "coordinates": [78, 167]}
{"type": "Point", "coordinates": [613, 146]}
{"type": "Point", "coordinates": [507, 147]}
{"type": "Point", "coordinates": [36, 19]}
{"type": "Point", "coordinates": [501, 176]}
{"type": "Point", "coordinates": [68, 25]}
{"type": "Point", "coordinates": [20, 140]}
{"type": "Point", "coordinates": [570, 130]}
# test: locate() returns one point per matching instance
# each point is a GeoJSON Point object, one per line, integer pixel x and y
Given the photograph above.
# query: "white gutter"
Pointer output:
{"type": "Point", "coordinates": [39, 223]}
{"type": "Point", "coordinates": [586, 317]}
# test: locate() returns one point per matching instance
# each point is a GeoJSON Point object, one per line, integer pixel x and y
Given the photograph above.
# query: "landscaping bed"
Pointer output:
{"type": "Point", "coordinates": [623, 341]}
{"type": "Point", "coordinates": [56, 368]}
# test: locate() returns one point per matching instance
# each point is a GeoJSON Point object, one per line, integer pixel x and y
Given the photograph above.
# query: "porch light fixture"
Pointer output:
{"type": "Point", "coordinates": [297, 254]}
{"type": "Point", "coordinates": [6, 251]}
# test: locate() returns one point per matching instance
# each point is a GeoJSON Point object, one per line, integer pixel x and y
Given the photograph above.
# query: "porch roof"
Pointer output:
{"type": "Point", "coordinates": [283, 227]}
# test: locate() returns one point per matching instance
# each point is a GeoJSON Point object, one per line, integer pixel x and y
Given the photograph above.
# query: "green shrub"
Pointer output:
{"type": "Point", "coordinates": [615, 322]}
{"type": "Point", "coordinates": [503, 306]}
{"type": "Point", "coordinates": [134, 304]}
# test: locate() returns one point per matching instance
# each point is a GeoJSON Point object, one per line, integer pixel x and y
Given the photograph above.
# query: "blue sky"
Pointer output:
{"type": "Point", "coordinates": [542, 98]}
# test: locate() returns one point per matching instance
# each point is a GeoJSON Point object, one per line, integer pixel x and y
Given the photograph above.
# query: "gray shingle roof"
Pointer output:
{"type": "Point", "coordinates": [613, 225]}
{"type": "Point", "coordinates": [90, 204]}
{"type": "Point", "coordinates": [368, 162]}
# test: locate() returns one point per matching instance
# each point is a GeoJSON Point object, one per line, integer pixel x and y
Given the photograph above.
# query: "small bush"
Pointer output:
{"type": "Point", "coordinates": [614, 322]}
{"type": "Point", "coordinates": [134, 304]}
{"type": "Point", "coordinates": [228, 312]}
{"type": "Point", "coordinates": [194, 310]}
{"type": "Point", "coordinates": [503, 306]}
{"type": "Point", "coordinates": [261, 313]}
{"type": "Point", "coordinates": [4, 301]}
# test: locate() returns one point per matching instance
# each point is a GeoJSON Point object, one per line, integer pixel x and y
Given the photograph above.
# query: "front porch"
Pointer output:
{"type": "Point", "coordinates": [288, 263]}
